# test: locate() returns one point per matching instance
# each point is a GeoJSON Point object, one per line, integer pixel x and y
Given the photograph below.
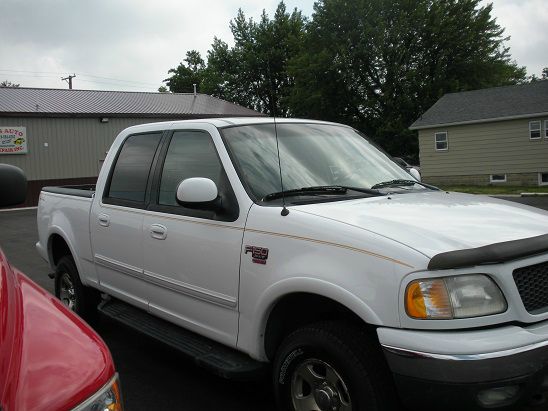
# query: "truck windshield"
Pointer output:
{"type": "Point", "coordinates": [311, 155]}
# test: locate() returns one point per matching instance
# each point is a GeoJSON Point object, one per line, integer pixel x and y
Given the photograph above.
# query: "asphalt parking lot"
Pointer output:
{"type": "Point", "coordinates": [154, 377]}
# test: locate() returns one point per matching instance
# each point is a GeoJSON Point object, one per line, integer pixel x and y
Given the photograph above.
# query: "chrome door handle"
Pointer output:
{"type": "Point", "coordinates": [104, 220]}
{"type": "Point", "coordinates": [158, 231]}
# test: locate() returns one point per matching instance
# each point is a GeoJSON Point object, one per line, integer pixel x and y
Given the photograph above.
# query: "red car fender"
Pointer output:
{"type": "Point", "coordinates": [50, 359]}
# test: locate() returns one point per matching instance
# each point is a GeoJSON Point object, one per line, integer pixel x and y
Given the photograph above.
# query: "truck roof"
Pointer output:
{"type": "Point", "coordinates": [229, 121]}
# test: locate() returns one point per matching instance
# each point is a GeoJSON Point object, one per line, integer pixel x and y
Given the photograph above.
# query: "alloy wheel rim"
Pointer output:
{"type": "Point", "coordinates": [67, 293]}
{"type": "Point", "coordinates": [316, 385]}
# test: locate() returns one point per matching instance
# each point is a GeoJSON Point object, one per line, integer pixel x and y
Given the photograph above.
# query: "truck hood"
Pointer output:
{"type": "Point", "coordinates": [436, 222]}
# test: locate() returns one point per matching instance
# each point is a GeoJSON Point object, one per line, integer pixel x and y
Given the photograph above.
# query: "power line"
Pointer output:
{"type": "Point", "coordinates": [35, 76]}
{"type": "Point", "coordinates": [119, 85]}
{"type": "Point", "coordinates": [119, 80]}
{"type": "Point", "coordinates": [80, 74]}
{"type": "Point", "coordinates": [35, 72]}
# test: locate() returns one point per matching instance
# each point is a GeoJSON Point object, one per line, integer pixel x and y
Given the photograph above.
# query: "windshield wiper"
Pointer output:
{"type": "Point", "coordinates": [306, 190]}
{"type": "Point", "coordinates": [401, 183]}
{"type": "Point", "coordinates": [318, 190]}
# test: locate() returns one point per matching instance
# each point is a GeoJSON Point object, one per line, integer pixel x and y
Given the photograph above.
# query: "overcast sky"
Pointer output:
{"type": "Point", "coordinates": [131, 44]}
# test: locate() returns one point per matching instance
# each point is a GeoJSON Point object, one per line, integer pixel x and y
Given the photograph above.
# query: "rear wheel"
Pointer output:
{"type": "Point", "coordinates": [72, 293]}
{"type": "Point", "coordinates": [332, 367]}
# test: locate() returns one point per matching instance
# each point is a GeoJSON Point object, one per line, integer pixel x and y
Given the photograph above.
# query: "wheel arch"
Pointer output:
{"type": "Point", "coordinates": [295, 310]}
{"type": "Point", "coordinates": [58, 247]}
{"type": "Point", "coordinates": [290, 306]}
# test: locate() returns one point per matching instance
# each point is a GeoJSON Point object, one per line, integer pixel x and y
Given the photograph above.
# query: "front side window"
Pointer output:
{"type": "Point", "coordinates": [546, 128]}
{"type": "Point", "coordinates": [311, 155]}
{"type": "Point", "coordinates": [130, 175]}
{"type": "Point", "coordinates": [441, 141]}
{"type": "Point", "coordinates": [534, 129]}
{"type": "Point", "coordinates": [190, 154]}
{"type": "Point", "coordinates": [543, 179]}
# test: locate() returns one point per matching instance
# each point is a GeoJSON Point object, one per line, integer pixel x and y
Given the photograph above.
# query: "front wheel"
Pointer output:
{"type": "Point", "coordinates": [72, 293]}
{"type": "Point", "coordinates": [332, 367]}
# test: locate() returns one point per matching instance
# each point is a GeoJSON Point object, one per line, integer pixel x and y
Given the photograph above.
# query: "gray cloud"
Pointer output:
{"type": "Point", "coordinates": [139, 40]}
{"type": "Point", "coordinates": [525, 21]}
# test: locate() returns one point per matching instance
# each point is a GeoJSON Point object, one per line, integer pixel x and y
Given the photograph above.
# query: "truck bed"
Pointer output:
{"type": "Point", "coordinates": [65, 210]}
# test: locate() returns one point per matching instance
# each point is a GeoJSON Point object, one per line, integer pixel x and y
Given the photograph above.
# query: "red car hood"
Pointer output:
{"type": "Point", "coordinates": [49, 358]}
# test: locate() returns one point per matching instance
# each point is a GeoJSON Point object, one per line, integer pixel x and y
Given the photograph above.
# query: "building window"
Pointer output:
{"type": "Point", "coordinates": [534, 129]}
{"type": "Point", "coordinates": [441, 141]}
{"type": "Point", "coordinates": [545, 128]}
{"type": "Point", "coordinates": [497, 178]}
{"type": "Point", "coordinates": [543, 179]}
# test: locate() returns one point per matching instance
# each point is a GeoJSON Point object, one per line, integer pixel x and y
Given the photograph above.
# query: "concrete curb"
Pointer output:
{"type": "Point", "coordinates": [534, 194]}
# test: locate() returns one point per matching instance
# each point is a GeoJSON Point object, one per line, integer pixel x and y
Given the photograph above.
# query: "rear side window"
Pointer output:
{"type": "Point", "coordinates": [130, 175]}
{"type": "Point", "coordinates": [190, 154]}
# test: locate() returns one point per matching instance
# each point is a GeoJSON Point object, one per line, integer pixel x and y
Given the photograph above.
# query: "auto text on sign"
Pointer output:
{"type": "Point", "coordinates": [13, 140]}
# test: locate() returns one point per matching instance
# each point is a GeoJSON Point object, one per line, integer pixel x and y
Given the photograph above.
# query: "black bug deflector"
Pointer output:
{"type": "Point", "coordinates": [490, 254]}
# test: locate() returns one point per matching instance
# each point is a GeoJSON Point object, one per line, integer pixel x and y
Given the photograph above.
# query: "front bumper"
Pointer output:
{"type": "Point", "coordinates": [468, 370]}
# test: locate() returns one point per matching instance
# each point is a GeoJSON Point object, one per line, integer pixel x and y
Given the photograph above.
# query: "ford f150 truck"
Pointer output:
{"type": "Point", "coordinates": [298, 243]}
{"type": "Point", "coordinates": [49, 358]}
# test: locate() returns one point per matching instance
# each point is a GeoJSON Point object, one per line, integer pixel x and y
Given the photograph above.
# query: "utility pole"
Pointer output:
{"type": "Point", "coordinates": [69, 80]}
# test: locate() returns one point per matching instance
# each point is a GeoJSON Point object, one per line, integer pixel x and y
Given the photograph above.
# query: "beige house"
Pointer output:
{"type": "Point", "coordinates": [490, 136]}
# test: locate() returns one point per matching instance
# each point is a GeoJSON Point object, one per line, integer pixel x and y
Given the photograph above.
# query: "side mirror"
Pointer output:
{"type": "Point", "coordinates": [198, 193]}
{"type": "Point", "coordinates": [415, 173]}
{"type": "Point", "coordinates": [13, 185]}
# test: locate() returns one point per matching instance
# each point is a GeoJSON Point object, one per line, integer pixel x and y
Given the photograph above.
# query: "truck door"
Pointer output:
{"type": "Point", "coordinates": [116, 220]}
{"type": "Point", "coordinates": [192, 257]}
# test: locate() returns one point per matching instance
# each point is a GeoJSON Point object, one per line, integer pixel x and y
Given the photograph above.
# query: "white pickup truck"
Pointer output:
{"type": "Point", "coordinates": [299, 244]}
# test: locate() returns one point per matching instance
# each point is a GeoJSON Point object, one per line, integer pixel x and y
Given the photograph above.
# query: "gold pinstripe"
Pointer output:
{"type": "Point", "coordinates": [346, 247]}
{"type": "Point", "coordinates": [251, 230]}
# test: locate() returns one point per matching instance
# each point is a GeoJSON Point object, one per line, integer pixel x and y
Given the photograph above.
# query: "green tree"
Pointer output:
{"type": "Point", "coordinates": [163, 89]}
{"type": "Point", "coordinates": [543, 76]}
{"type": "Point", "coordinates": [7, 83]}
{"type": "Point", "coordinates": [186, 74]}
{"type": "Point", "coordinates": [253, 72]}
{"type": "Point", "coordinates": [379, 64]}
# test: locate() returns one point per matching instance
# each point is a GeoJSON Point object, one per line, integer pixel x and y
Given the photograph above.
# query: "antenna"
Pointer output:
{"type": "Point", "coordinates": [285, 211]}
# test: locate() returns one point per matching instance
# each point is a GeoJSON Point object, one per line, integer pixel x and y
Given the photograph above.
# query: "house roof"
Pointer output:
{"type": "Point", "coordinates": [491, 104]}
{"type": "Point", "coordinates": [80, 103]}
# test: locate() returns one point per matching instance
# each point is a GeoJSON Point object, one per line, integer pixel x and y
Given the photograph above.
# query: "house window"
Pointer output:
{"type": "Point", "coordinates": [497, 178]}
{"type": "Point", "coordinates": [543, 179]}
{"type": "Point", "coordinates": [534, 129]}
{"type": "Point", "coordinates": [441, 141]}
{"type": "Point", "coordinates": [545, 128]}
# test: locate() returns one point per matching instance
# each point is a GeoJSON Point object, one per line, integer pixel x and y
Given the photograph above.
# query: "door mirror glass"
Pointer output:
{"type": "Point", "coordinates": [13, 185]}
{"type": "Point", "coordinates": [198, 192]}
{"type": "Point", "coordinates": [415, 173]}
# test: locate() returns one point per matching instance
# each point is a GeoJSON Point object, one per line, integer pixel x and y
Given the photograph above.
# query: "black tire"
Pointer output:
{"type": "Point", "coordinates": [365, 381]}
{"type": "Point", "coordinates": [83, 300]}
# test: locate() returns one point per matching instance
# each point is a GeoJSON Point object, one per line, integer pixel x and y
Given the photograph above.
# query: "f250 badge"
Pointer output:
{"type": "Point", "coordinates": [259, 255]}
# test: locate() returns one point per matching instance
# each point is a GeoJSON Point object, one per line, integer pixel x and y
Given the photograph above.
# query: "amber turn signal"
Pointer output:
{"type": "Point", "coordinates": [428, 299]}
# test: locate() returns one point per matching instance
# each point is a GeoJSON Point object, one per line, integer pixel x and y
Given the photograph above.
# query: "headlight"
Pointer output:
{"type": "Point", "coordinates": [108, 398]}
{"type": "Point", "coordinates": [460, 296]}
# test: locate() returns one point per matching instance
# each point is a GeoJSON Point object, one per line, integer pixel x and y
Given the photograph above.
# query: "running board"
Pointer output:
{"type": "Point", "coordinates": [215, 357]}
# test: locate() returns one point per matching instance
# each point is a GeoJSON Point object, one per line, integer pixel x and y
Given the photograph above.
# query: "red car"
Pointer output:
{"type": "Point", "coordinates": [50, 359]}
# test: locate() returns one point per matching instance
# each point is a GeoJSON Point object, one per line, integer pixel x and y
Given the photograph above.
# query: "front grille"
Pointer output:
{"type": "Point", "coordinates": [532, 283]}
